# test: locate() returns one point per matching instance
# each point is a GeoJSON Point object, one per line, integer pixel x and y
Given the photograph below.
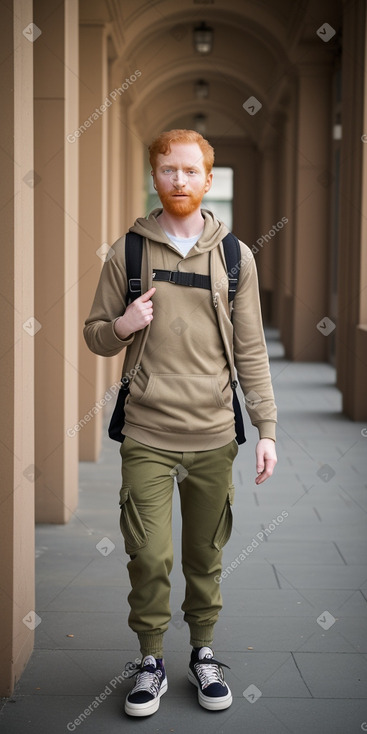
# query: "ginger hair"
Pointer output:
{"type": "Point", "coordinates": [162, 144]}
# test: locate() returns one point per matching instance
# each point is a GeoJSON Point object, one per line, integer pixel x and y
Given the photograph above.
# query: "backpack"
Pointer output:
{"type": "Point", "coordinates": [133, 258]}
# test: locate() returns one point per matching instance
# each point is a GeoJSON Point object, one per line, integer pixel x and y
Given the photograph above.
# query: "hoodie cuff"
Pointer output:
{"type": "Point", "coordinates": [116, 339]}
{"type": "Point", "coordinates": [267, 429]}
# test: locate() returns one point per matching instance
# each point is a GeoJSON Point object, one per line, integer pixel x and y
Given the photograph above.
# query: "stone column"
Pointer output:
{"type": "Point", "coordinates": [19, 335]}
{"type": "Point", "coordinates": [117, 226]}
{"type": "Point", "coordinates": [311, 216]}
{"type": "Point", "coordinates": [267, 232]}
{"type": "Point", "coordinates": [56, 259]}
{"type": "Point", "coordinates": [284, 261]}
{"type": "Point", "coordinates": [351, 334]}
{"type": "Point", "coordinates": [93, 218]}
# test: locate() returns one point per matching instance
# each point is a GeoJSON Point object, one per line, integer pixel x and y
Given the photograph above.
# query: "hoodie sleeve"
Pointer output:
{"type": "Point", "coordinates": [109, 303]}
{"type": "Point", "coordinates": [250, 352]}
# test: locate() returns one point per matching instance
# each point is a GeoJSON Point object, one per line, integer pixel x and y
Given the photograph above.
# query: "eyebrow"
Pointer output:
{"type": "Point", "coordinates": [170, 165]}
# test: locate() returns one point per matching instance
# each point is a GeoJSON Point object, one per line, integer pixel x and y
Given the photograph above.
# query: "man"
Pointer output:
{"type": "Point", "coordinates": [179, 417]}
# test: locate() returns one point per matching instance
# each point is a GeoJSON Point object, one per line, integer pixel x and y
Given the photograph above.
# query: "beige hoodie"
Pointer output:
{"type": "Point", "coordinates": [181, 396]}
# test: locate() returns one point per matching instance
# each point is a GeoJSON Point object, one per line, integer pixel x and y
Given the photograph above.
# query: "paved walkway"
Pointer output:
{"type": "Point", "coordinates": [293, 627]}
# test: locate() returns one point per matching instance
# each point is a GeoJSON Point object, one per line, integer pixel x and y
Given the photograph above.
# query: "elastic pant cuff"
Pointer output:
{"type": "Point", "coordinates": [201, 636]}
{"type": "Point", "coordinates": [151, 644]}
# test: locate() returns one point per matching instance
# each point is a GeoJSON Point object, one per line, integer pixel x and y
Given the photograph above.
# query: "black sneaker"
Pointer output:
{"type": "Point", "coordinates": [150, 684]}
{"type": "Point", "coordinates": [207, 675]}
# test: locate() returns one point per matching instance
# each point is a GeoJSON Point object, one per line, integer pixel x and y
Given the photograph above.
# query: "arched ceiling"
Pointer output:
{"type": "Point", "coordinates": [255, 49]}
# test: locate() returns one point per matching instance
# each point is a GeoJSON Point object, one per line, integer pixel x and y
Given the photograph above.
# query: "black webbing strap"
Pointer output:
{"type": "Point", "coordinates": [232, 253]}
{"type": "Point", "coordinates": [133, 256]}
{"type": "Point", "coordinates": [192, 280]}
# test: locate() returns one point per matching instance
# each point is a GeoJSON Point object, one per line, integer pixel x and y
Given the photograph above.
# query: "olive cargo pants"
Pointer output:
{"type": "Point", "coordinates": [204, 480]}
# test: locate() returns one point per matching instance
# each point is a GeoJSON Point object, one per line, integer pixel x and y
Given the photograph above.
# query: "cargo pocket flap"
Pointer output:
{"type": "Point", "coordinates": [224, 529]}
{"type": "Point", "coordinates": [131, 525]}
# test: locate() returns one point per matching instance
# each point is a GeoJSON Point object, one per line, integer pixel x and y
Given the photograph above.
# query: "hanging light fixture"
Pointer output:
{"type": "Point", "coordinates": [203, 38]}
{"type": "Point", "coordinates": [200, 123]}
{"type": "Point", "coordinates": [201, 89]}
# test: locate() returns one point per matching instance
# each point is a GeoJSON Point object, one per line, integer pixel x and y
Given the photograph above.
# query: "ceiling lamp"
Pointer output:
{"type": "Point", "coordinates": [203, 38]}
{"type": "Point", "coordinates": [201, 89]}
{"type": "Point", "coordinates": [200, 123]}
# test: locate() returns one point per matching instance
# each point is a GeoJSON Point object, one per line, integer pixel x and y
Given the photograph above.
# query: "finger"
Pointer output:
{"type": "Point", "coordinates": [260, 463]}
{"type": "Point", "coordinates": [147, 295]}
{"type": "Point", "coordinates": [267, 471]}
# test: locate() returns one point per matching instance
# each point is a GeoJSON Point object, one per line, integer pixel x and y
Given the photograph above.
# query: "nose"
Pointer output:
{"type": "Point", "coordinates": [179, 178]}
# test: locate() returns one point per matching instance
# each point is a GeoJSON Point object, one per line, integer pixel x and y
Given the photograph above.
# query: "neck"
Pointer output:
{"type": "Point", "coordinates": [182, 226]}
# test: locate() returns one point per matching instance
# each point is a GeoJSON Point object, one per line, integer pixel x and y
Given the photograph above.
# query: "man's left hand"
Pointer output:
{"type": "Point", "coordinates": [266, 458]}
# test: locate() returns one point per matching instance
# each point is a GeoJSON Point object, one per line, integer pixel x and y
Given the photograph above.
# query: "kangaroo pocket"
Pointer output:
{"type": "Point", "coordinates": [131, 525]}
{"type": "Point", "coordinates": [181, 402]}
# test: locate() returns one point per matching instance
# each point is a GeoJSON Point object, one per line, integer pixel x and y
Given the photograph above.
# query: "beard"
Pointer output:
{"type": "Point", "coordinates": [180, 206]}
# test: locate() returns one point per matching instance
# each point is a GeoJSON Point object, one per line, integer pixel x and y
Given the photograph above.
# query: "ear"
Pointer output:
{"type": "Point", "coordinates": [208, 182]}
{"type": "Point", "coordinates": [154, 182]}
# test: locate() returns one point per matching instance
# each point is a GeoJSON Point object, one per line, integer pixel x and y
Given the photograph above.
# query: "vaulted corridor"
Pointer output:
{"type": "Point", "coordinates": [279, 88]}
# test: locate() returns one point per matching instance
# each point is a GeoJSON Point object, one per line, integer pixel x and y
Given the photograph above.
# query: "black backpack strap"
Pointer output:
{"type": "Point", "coordinates": [133, 257]}
{"type": "Point", "coordinates": [232, 253]}
{"type": "Point", "coordinates": [193, 280]}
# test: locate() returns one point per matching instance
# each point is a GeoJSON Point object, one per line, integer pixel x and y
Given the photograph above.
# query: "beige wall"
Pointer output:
{"type": "Point", "coordinates": [17, 352]}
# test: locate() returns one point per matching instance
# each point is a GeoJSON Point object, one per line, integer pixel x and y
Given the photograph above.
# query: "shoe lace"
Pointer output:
{"type": "Point", "coordinates": [146, 678]}
{"type": "Point", "coordinates": [210, 671]}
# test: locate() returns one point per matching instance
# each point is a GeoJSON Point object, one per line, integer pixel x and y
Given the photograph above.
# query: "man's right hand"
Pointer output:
{"type": "Point", "coordinates": [137, 315]}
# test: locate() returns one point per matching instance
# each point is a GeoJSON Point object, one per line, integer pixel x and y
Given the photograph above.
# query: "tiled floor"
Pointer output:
{"type": "Point", "coordinates": [294, 624]}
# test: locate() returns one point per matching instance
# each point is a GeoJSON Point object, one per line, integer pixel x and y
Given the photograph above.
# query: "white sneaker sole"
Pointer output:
{"type": "Point", "coordinates": [148, 708]}
{"type": "Point", "coordinates": [209, 702]}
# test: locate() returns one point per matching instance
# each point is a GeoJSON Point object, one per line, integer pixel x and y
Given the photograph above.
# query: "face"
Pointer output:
{"type": "Point", "coordinates": [181, 179]}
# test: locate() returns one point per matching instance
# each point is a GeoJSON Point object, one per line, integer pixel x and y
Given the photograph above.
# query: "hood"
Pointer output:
{"type": "Point", "coordinates": [214, 230]}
